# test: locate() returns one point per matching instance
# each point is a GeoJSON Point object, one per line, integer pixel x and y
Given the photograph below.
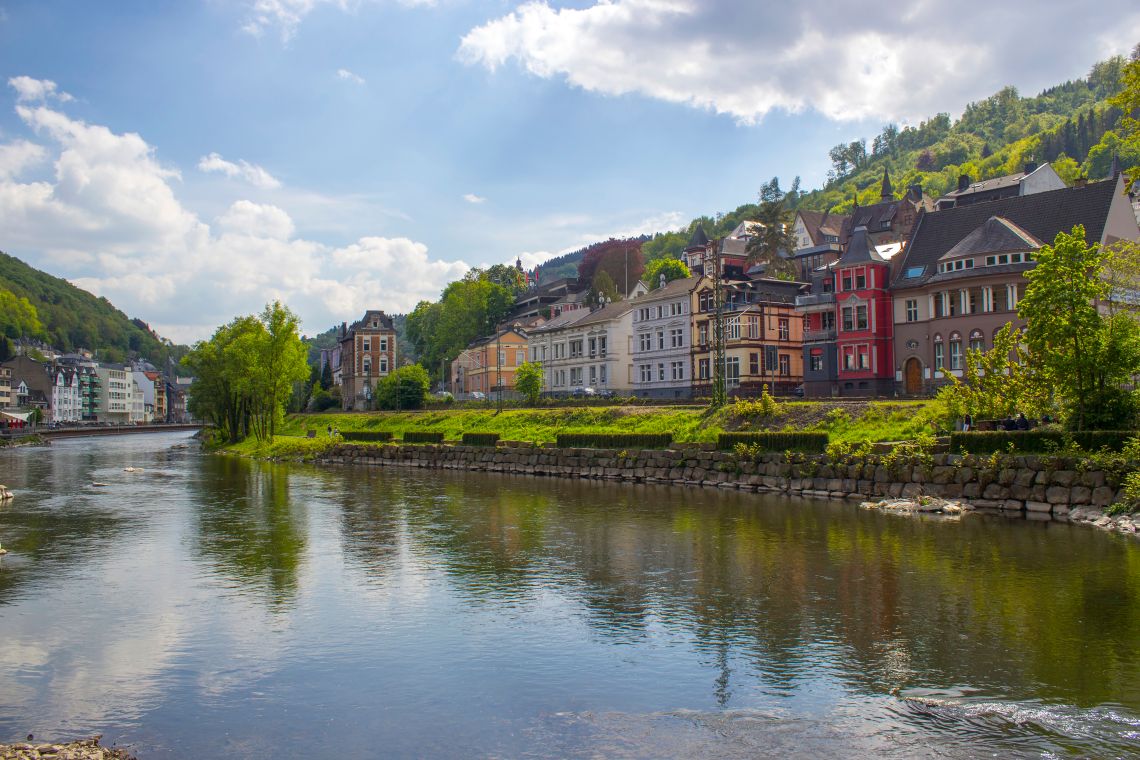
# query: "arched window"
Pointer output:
{"type": "Point", "coordinates": [977, 340]}
{"type": "Point", "coordinates": [955, 350]}
{"type": "Point", "coordinates": [939, 353]}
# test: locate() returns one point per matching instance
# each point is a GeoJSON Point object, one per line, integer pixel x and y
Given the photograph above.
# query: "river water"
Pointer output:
{"type": "Point", "coordinates": [211, 607]}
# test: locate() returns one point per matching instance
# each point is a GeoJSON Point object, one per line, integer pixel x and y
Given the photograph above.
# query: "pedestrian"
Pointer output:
{"type": "Point", "coordinates": [967, 423]}
{"type": "Point", "coordinates": [336, 432]}
{"type": "Point", "coordinates": [330, 431]}
{"type": "Point", "coordinates": [1022, 423]}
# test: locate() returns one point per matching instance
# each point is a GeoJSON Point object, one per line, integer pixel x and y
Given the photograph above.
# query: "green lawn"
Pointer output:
{"type": "Point", "coordinates": [871, 421]}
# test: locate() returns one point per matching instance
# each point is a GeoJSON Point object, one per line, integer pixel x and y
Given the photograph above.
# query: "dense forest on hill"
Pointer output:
{"type": "Point", "coordinates": [1071, 126]}
{"type": "Point", "coordinates": [71, 318]}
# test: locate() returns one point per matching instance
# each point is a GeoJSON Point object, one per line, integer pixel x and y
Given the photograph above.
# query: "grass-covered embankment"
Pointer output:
{"type": "Point", "coordinates": [858, 421]}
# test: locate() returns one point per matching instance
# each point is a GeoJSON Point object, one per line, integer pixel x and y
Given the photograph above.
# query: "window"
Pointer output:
{"type": "Point", "coordinates": [846, 281]}
{"type": "Point", "coordinates": [732, 369]}
{"type": "Point", "coordinates": [364, 345]}
{"type": "Point", "coordinates": [676, 338]}
{"type": "Point", "coordinates": [703, 369]}
{"type": "Point", "coordinates": [576, 376]}
{"type": "Point", "coordinates": [593, 375]}
{"type": "Point", "coordinates": [939, 355]}
{"type": "Point", "coordinates": [661, 339]}
{"type": "Point", "coordinates": [977, 341]}
{"type": "Point", "coordinates": [644, 342]}
{"type": "Point", "coordinates": [864, 357]}
{"type": "Point", "coordinates": [861, 280]}
{"type": "Point", "coordinates": [913, 272]}
{"type": "Point", "coordinates": [593, 347]}
{"type": "Point", "coordinates": [383, 345]}
{"type": "Point", "coordinates": [602, 374]}
{"type": "Point", "coordinates": [383, 364]}
{"type": "Point", "coordinates": [575, 348]}
{"type": "Point", "coordinates": [785, 364]}
{"type": "Point", "coordinates": [661, 371]}
{"type": "Point", "coordinates": [827, 320]}
{"type": "Point", "coordinates": [703, 333]}
{"type": "Point", "coordinates": [912, 310]}
{"type": "Point", "coordinates": [732, 329]}
{"type": "Point", "coordinates": [602, 346]}
{"type": "Point", "coordinates": [753, 328]}
{"type": "Point", "coordinates": [660, 312]}
{"type": "Point", "coordinates": [784, 329]}
{"type": "Point", "coordinates": [754, 364]}
{"type": "Point", "coordinates": [848, 319]}
{"type": "Point", "coordinates": [955, 351]}
{"type": "Point", "coordinates": [646, 373]}
{"type": "Point", "coordinates": [502, 357]}
{"type": "Point", "coordinates": [816, 362]}
{"type": "Point", "coordinates": [678, 371]}
{"type": "Point", "coordinates": [520, 357]}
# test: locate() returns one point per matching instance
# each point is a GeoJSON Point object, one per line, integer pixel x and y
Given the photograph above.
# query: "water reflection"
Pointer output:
{"type": "Point", "coordinates": [453, 614]}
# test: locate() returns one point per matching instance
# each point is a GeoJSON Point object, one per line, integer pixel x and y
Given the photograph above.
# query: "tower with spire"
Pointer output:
{"type": "Point", "coordinates": [888, 192]}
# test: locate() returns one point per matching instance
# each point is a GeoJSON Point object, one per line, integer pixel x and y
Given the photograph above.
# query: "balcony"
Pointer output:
{"type": "Point", "coordinates": [814, 336]}
{"type": "Point", "coordinates": [815, 302]}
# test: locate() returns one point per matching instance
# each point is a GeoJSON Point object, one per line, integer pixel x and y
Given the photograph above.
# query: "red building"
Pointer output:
{"type": "Point", "coordinates": [865, 319]}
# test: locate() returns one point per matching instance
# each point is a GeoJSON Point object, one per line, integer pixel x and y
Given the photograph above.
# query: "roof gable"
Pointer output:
{"type": "Point", "coordinates": [995, 235]}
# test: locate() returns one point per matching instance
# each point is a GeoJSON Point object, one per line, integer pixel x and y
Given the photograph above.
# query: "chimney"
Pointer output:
{"type": "Point", "coordinates": [1080, 181]}
{"type": "Point", "coordinates": [1030, 167]}
{"type": "Point", "coordinates": [963, 182]}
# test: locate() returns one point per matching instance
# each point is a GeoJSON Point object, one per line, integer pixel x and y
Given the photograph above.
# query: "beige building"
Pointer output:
{"type": "Point", "coordinates": [585, 349]}
{"type": "Point", "coordinates": [367, 354]}
{"type": "Point", "coordinates": [963, 274]}
{"type": "Point", "coordinates": [5, 387]}
{"type": "Point", "coordinates": [116, 399]}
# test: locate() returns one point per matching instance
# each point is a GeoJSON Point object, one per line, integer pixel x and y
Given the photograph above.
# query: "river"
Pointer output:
{"type": "Point", "coordinates": [211, 607]}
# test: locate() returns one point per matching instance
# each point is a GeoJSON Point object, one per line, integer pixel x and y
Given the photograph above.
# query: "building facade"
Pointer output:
{"type": "Point", "coordinates": [585, 350]}
{"type": "Point", "coordinates": [367, 354]}
{"type": "Point", "coordinates": [116, 400]}
{"type": "Point", "coordinates": [489, 364]}
{"type": "Point", "coordinates": [864, 320]}
{"type": "Point", "coordinates": [661, 341]}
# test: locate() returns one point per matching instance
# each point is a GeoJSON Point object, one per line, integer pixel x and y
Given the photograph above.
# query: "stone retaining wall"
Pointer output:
{"type": "Point", "coordinates": [1039, 486]}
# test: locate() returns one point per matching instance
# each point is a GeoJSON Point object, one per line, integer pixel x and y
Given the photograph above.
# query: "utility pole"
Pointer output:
{"type": "Point", "coordinates": [719, 390]}
{"type": "Point", "coordinates": [499, 369]}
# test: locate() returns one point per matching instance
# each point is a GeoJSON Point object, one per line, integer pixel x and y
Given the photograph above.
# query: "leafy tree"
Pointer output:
{"type": "Point", "coordinates": [529, 381]}
{"type": "Point", "coordinates": [405, 388]}
{"type": "Point", "coordinates": [326, 378]}
{"type": "Point", "coordinates": [776, 235]}
{"type": "Point", "coordinates": [508, 276]}
{"type": "Point", "coordinates": [1128, 101]}
{"type": "Point", "coordinates": [672, 269]}
{"type": "Point", "coordinates": [1068, 169]}
{"type": "Point", "coordinates": [603, 288]}
{"type": "Point", "coordinates": [620, 259]}
{"type": "Point", "coordinates": [18, 317]}
{"type": "Point", "coordinates": [1083, 354]}
{"type": "Point", "coordinates": [998, 383]}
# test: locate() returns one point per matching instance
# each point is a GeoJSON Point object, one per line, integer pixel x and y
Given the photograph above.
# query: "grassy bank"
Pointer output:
{"type": "Point", "coordinates": [863, 421]}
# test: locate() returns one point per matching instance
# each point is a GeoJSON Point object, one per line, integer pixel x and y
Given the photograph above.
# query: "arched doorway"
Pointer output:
{"type": "Point", "coordinates": [913, 374]}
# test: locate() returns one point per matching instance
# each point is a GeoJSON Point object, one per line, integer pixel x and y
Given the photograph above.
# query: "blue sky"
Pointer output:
{"type": "Point", "coordinates": [192, 160]}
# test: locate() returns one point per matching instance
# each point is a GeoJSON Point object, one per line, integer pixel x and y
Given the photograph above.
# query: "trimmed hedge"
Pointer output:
{"type": "Point", "coordinates": [422, 436]}
{"type": "Point", "coordinates": [367, 435]}
{"type": "Point", "coordinates": [480, 439]}
{"type": "Point", "coordinates": [1036, 441]}
{"type": "Point", "coordinates": [614, 440]}
{"type": "Point", "coordinates": [812, 443]}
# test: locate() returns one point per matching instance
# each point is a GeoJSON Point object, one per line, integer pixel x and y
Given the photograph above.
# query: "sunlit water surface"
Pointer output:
{"type": "Point", "coordinates": [213, 607]}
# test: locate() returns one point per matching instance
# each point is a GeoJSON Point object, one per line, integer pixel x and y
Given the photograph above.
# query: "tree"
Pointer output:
{"type": "Point", "coordinates": [18, 317]}
{"type": "Point", "coordinates": [774, 242]}
{"type": "Point", "coordinates": [529, 381]}
{"type": "Point", "coordinates": [326, 378]}
{"type": "Point", "coordinates": [1128, 101]}
{"type": "Point", "coordinates": [404, 388]}
{"type": "Point", "coordinates": [671, 269]}
{"type": "Point", "coordinates": [1083, 354]}
{"type": "Point", "coordinates": [603, 288]}
{"type": "Point", "coordinates": [508, 276]}
{"type": "Point", "coordinates": [998, 383]}
{"type": "Point", "coordinates": [620, 259]}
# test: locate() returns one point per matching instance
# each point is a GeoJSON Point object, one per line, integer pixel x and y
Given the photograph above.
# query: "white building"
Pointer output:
{"type": "Point", "coordinates": [662, 340]}
{"type": "Point", "coordinates": [138, 402]}
{"type": "Point", "coordinates": [116, 396]}
{"type": "Point", "coordinates": [66, 401]}
{"type": "Point", "coordinates": [585, 349]}
{"type": "Point", "coordinates": [147, 390]}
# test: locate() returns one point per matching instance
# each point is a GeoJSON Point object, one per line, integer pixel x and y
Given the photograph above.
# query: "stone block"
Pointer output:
{"type": "Point", "coordinates": [1080, 495]}
{"type": "Point", "coordinates": [1057, 495]}
{"type": "Point", "coordinates": [1102, 496]}
{"type": "Point", "coordinates": [911, 490]}
{"type": "Point", "coordinates": [1038, 506]}
{"type": "Point", "coordinates": [995, 491]}
{"type": "Point", "coordinates": [1006, 477]}
{"type": "Point", "coordinates": [1012, 505]}
{"type": "Point", "coordinates": [971, 491]}
{"type": "Point", "coordinates": [1063, 478]}
{"type": "Point", "coordinates": [942, 475]}
{"type": "Point", "coordinates": [1061, 511]}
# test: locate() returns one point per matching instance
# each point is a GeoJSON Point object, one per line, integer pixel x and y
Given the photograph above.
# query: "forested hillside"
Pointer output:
{"type": "Point", "coordinates": [1071, 126]}
{"type": "Point", "coordinates": [71, 318]}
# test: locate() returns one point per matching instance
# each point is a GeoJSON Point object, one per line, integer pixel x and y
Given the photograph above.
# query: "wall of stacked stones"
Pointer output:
{"type": "Point", "coordinates": [1038, 485]}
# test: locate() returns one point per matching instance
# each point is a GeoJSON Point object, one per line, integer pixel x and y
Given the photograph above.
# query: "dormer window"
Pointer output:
{"type": "Point", "coordinates": [956, 266]}
{"type": "Point", "coordinates": [1007, 258]}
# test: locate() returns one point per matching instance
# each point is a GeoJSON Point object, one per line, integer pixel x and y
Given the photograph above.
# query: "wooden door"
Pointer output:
{"type": "Point", "coordinates": [913, 375]}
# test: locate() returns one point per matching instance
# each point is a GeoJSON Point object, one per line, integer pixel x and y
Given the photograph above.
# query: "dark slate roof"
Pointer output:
{"type": "Point", "coordinates": [859, 249]}
{"type": "Point", "coordinates": [821, 223]}
{"type": "Point", "coordinates": [995, 235]}
{"type": "Point", "coordinates": [987, 185]}
{"type": "Point", "coordinates": [1042, 215]}
{"type": "Point", "coordinates": [981, 272]}
{"type": "Point", "coordinates": [699, 238]}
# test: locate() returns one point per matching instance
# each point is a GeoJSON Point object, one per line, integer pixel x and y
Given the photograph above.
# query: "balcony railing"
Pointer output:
{"type": "Point", "coordinates": [815, 299]}
{"type": "Point", "coordinates": [818, 335]}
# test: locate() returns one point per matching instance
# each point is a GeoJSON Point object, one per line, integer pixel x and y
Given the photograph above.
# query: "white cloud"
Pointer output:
{"type": "Point", "coordinates": [531, 259]}
{"type": "Point", "coordinates": [17, 156]}
{"type": "Point", "coordinates": [37, 90]}
{"type": "Point", "coordinates": [251, 173]}
{"type": "Point", "coordinates": [473, 198]}
{"type": "Point", "coordinates": [347, 75]}
{"type": "Point", "coordinates": [107, 218]}
{"type": "Point", "coordinates": [746, 59]}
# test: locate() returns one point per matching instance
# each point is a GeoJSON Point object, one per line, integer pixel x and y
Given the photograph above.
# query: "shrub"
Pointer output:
{"type": "Point", "coordinates": [614, 440]}
{"type": "Point", "coordinates": [480, 439]}
{"type": "Point", "coordinates": [422, 436]}
{"type": "Point", "coordinates": [813, 443]}
{"type": "Point", "coordinates": [761, 408]}
{"type": "Point", "coordinates": [367, 435]}
{"type": "Point", "coordinates": [1037, 441]}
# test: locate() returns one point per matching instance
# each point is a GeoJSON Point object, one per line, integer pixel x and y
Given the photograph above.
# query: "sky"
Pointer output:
{"type": "Point", "coordinates": [194, 160]}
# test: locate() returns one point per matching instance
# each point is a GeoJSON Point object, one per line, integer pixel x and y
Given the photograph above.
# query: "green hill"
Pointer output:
{"type": "Point", "coordinates": [72, 318]}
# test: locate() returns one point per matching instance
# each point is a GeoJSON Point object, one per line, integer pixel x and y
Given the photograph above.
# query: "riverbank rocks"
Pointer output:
{"type": "Point", "coordinates": [921, 504]}
{"type": "Point", "coordinates": [5, 494]}
{"type": "Point", "coordinates": [84, 749]}
{"type": "Point", "coordinates": [1040, 488]}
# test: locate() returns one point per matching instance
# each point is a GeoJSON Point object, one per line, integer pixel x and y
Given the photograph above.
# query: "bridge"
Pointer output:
{"type": "Point", "coordinates": [79, 431]}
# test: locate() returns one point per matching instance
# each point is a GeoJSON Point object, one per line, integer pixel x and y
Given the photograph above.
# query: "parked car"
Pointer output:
{"type": "Point", "coordinates": [799, 391]}
{"type": "Point", "coordinates": [478, 395]}
{"type": "Point", "coordinates": [605, 393]}
{"type": "Point", "coordinates": [584, 392]}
